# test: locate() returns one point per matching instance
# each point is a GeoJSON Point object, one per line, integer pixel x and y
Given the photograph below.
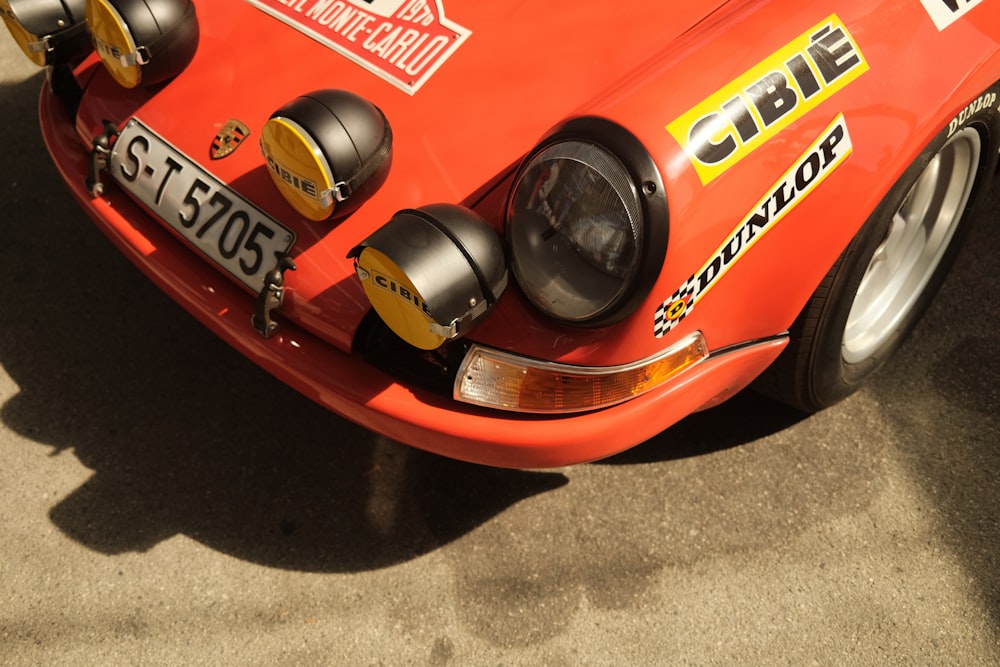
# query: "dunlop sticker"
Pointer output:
{"type": "Point", "coordinates": [753, 108]}
{"type": "Point", "coordinates": [402, 41]}
{"type": "Point", "coordinates": [810, 169]}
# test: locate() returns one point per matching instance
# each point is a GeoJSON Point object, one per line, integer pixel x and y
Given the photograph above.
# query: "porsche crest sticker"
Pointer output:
{"type": "Point", "coordinates": [402, 41]}
{"type": "Point", "coordinates": [229, 139]}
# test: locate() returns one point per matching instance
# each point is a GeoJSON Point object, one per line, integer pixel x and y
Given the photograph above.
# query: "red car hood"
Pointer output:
{"type": "Point", "coordinates": [462, 112]}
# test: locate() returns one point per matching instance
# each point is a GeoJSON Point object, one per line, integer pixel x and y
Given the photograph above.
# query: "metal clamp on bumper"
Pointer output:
{"type": "Point", "coordinates": [271, 296]}
{"type": "Point", "coordinates": [99, 157]}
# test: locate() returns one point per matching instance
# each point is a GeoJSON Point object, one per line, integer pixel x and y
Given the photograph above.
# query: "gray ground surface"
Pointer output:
{"type": "Point", "coordinates": [162, 501]}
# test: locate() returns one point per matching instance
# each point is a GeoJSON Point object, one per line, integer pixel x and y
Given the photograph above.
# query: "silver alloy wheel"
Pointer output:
{"type": "Point", "coordinates": [919, 235]}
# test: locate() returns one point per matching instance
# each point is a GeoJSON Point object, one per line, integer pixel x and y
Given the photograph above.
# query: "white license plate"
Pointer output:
{"type": "Point", "coordinates": [234, 233]}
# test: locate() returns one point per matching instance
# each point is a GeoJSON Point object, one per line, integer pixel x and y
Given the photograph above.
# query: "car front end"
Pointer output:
{"type": "Point", "coordinates": [411, 217]}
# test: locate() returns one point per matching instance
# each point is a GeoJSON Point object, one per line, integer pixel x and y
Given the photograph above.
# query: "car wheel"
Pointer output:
{"type": "Point", "coordinates": [883, 282]}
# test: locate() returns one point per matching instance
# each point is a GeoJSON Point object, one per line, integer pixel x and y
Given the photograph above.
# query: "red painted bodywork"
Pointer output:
{"type": "Point", "coordinates": [524, 69]}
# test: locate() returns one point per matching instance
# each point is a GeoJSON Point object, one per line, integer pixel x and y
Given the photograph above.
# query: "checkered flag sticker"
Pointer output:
{"type": "Point", "coordinates": [674, 309]}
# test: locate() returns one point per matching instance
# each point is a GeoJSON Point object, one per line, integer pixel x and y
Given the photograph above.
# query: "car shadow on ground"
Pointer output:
{"type": "Point", "coordinates": [186, 437]}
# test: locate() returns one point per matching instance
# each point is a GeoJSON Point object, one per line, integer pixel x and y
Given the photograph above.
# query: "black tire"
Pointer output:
{"type": "Point", "coordinates": [884, 281]}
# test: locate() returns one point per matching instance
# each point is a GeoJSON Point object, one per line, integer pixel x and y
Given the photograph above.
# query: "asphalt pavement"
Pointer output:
{"type": "Point", "coordinates": [163, 501]}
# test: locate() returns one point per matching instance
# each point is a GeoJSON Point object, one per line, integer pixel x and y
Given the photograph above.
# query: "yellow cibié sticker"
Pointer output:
{"type": "Point", "coordinates": [734, 121]}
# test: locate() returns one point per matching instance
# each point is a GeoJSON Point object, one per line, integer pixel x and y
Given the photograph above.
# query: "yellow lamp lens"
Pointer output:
{"type": "Point", "coordinates": [31, 44]}
{"type": "Point", "coordinates": [298, 168]}
{"type": "Point", "coordinates": [396, 300]}
{"type": "Point", "coordinates": [114, 43]}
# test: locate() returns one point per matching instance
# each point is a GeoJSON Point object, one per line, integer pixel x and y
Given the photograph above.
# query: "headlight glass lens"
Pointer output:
{"type": "Point", "coordinates": [298, 168]}
{"type": "Point", "coordinates": [143, 42]}
{"type": "Point", "coordinates": [49, 32]}
{"type": "Point", "coordinates": [327, 151]}
{"type": "Point", "coordinates": [28, 42]}
{"type": "Point", "coordinates": [575, 230]}
{"type": "Point", "coordinates": [114, 43]}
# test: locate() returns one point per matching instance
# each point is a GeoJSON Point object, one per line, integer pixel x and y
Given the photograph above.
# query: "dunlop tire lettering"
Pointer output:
{"type": "Point", "coordinates": [984, 101]}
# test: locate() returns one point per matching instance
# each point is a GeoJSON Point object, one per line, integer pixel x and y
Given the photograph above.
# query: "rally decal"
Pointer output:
{"type": "Point", "coordinates": [946, 12]}
{"type": "Point", "coordinates": [402, 41]}
{"type": "Point", "coordinates": [810, 169]}
{"type": "Point", "coordinates": [732, 122]}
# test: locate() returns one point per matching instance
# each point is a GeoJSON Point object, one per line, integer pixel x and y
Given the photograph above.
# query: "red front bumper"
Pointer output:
{"type": "Point", "coordinates": [350, 387]}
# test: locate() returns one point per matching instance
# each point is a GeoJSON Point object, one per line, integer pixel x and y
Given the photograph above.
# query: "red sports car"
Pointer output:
{"type": "Point", "coordinates": [531, 235]}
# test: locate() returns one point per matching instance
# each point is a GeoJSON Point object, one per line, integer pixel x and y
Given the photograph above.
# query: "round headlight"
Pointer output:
{"type": "Point", "coordinates": [143, 41]}
{"type": "Point", "coordinates": [432, 273]}
{"type": "Point", "coordinates": [327, 152]}
{"type": "Point", "coordinates": [49, 32]}
{"type": "Point", "coordinates": [587, 224]}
